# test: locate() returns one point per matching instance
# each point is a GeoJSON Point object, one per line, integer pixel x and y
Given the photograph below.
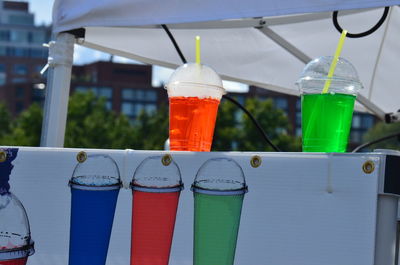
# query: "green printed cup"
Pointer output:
{"type": "Point", "coordinates": [218, 190]}
{"type": "Point", "coordinates": [326, 117]}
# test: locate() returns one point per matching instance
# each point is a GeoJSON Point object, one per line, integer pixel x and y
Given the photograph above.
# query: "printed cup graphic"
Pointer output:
{"type": "Point", "coordinates": [194, 92]}
{"type": "Point", "coordinates": [326, 117]}
{"type": "Point", "coordinates": [156, 189]}
{"type": "Point", "coordinates": [218, 190]}
{"type": "Point", "coordinates": [15, 236]}
{"type": "Point", "coordinates": [94, 186]}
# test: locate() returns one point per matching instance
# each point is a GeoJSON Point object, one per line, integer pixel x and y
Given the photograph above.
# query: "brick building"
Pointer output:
{"type": "Point", "coordinates": [22, 56]}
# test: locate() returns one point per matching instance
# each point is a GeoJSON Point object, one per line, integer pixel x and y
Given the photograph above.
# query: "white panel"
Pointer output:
{"type": "Point", "coordinates": [289, 216]}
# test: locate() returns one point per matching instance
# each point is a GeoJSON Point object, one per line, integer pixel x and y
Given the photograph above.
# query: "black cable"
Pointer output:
{"type": "Point", "coordinates": [258, 126]}
{"type": "Point", "coordinates": [361, 34]}
{"type": "Point", "coordinates": [255, 122]}
{"type": "Point", "coordinates": [171, 37]}
{"type": "Point", "coordinates": [358, 148]}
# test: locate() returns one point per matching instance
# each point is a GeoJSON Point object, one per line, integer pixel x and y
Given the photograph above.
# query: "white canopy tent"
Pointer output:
{"type": "Point", "coordinates": [263, 43]}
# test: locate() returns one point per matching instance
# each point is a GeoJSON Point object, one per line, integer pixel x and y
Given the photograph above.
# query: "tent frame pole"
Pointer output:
{"type": "Point", "coordinates": [57, 90]}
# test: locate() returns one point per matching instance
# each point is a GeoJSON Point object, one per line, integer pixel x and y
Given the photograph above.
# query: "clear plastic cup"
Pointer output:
{"type": "Point", "coordinates": [326, 118]}
{"type": "Point", "coordinates": [194, 92]}
{"type": "Point", "coordinates": [156, 189]}
{"type": "Point", "coordinates": [218, 191]}
{"type": "Point", "coordinates": [15, 236]}
{"type": "Point", "coordinates": [94, 186]}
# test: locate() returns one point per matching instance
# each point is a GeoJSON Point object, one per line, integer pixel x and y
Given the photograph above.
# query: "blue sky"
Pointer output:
{"type": "Point", "coordinates": [42, 10]}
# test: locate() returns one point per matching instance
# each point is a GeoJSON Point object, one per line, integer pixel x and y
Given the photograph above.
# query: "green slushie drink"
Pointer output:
{"type": "Point", "coordinates": [326, 117]}
{"type": "Point", "coordinates": [219, 190]}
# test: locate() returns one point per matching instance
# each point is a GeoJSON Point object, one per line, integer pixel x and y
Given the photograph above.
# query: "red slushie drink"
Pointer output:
{"type": "Point", "coordinates": [194, 92]}
{"type": "Point", "coordinates": [156, 189]}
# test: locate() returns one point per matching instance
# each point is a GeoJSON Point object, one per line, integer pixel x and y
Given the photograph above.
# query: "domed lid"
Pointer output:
{"type": "Point", "coordinates": [345, 78]}
{"type": "Point", "coordinates": [15, 235]}
{"type": "Point", "coordinates": [98, 171]}
{"type": "Point", "coordinates": [195, 80]}
{"type": "Point", "coordinates": [220, 176]}
{"type": "Point", "coordinates": [157, 174]}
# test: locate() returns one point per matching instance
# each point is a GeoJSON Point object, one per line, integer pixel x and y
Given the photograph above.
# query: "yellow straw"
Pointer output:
{"type": "Point", "coordinates": [198, 61]}
{"type": "Point", "coordinates": [334, 62]}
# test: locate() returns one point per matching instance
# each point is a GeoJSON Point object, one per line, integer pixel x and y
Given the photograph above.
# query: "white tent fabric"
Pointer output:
{"type": "Point", "coordinates": [71, 14]}
{"type": "Point", "coordinates": [246, 54]}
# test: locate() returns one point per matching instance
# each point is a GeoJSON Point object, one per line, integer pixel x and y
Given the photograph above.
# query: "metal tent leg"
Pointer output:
{"type": "Point", "coordinates": [57, 91]}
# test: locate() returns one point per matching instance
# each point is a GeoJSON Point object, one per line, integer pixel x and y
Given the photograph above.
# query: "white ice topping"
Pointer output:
{"type": "Point", "coordinates": [193, 80]}
{"type": "Point", "coordinates": [95, 180]}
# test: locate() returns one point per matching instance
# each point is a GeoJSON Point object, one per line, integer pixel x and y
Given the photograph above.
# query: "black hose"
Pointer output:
{"type": "Point", "coordinates": [358, 148]}
{"type": "Point", "coordinates": [171, 37]}
{"type": "Point", "coordinates": [361, 34]}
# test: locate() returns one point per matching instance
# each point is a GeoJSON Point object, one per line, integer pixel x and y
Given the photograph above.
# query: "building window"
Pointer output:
{"type": "Point", "coordinates": [3, 51]}
{"type": "Point", "coordinates": [19, 80]}
{"type": "Point", "coordinates": [139, 108]}
{"type": "Point", "coordinates": [20, 19]}
{"type": "Point", "coordinates": [3, 78]}
{"type": "Point", "coordinates": [19, 92]}
{"type": "Point", "coordinates": [355, 137]}
{"type": "Point", "coordinates": [298, 131]}
{"type": "Point", "coordinates": [19, 36]}
{"type": "Point", "coordinates": [109, 105]}
{"type": "Point", "coordinates": [19, 106]}
{"type": "Point", "coordinates": [298, 118]}
{"type": "Point", "coordinates": [356, 123]}
{"type": "Point", "coordinates": [151, 95]}
{"type": "Point", "coordinates": [128, 94]}
{"type": "Point", "coordinates": [38, 37]}
{"type": "Point", "coordinates": [21, 52]}
{"type": "Point", "coordinates": [4, 35]}
{"type": "Point", "coordinates": [127, 109]}
{"type": "Point", "coordinates": [298, 104]}
{"type": "Point", "coordinates": [81, 89]}
{"type": "Point", "coordinates": [150, 108]}
{"type": "Point", "coordinates": [2, 68]}
{"type": "Point", "coordinates": [20, 69]}
{"type": "Point", "coordinates": [38, 53]}
{"type": "Point", "coordinates": [139, 94]}
{"type": "Point", "coordinates": [104, 92]}
{"type": "Point", "coordinates": [241, 99]}
{"type": "Point", "coordinates": [367, 122]}
{"type": "Point", "coordinates": [281, 103]}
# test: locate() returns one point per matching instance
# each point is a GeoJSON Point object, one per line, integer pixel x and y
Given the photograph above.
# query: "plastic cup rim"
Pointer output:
{"type": "Point", "coordinates": [25, 251]}
{"type": "Point", "coordinates": [176, 188]}
{"type": "Point", "coordinates": [80, 186]}
{"type": "Point", "coordinates": [177, 83]}
{"type": "Point", "coordinates": [226, 192]}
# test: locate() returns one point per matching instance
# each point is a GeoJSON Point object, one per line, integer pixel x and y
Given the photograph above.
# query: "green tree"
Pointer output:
{"type": "Point", "coordinates": [91, 125]}
{"type": "Point", "coordinates": [274, 122]}
{"type": "Point", "coordinates": [151, 130]}
{"type": "Point", "coordinates": [380, 130]}
{"type": "Point", "coordinates": [5, 120]}
{"type": "Point", "coordinates": [25, 129]}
